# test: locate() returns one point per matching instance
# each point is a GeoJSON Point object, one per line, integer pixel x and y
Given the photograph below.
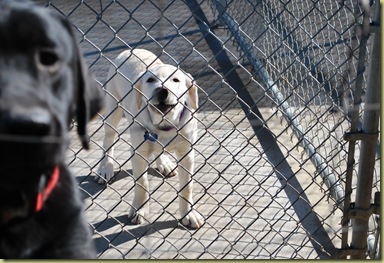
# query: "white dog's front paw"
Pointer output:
{"type": "Point", "coordinates": [193, 219]}
{"type": "Point", "coordinates": [105, 172]}
{"type": "Point", "coordinates": [166, 167]}
{"type": "Point", "coordinates": [138, 216]}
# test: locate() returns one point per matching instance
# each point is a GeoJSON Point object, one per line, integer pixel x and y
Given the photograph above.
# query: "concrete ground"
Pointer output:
{"type": "Point", "coordinates": [248, 212]}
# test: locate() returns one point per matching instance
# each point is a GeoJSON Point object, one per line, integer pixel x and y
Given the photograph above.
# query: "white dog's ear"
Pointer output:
{"type": "Point", "coordinates": [192, 92]}
{"type": "Point", "coordinates": [138, 87]}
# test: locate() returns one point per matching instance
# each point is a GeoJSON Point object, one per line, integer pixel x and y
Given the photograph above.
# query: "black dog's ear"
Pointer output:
{"type": "Point", "coordinates": [88, 93]}
{"type": "Point", "coordinates": [89, 99]}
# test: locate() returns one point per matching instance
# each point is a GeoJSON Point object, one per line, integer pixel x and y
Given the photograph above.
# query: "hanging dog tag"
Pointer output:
{"type": "Point", "coordinates": [150, 136]}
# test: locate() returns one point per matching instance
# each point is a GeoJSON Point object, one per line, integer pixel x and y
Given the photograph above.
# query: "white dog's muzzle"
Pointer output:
{"type": "Point", "coordinates": [163, 100]}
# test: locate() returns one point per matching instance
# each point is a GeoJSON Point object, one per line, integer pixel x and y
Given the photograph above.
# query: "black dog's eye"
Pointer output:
{"type": "Point", "coordinates": [176, 80]}
{"type": "Point", "coordinates": [150, 80]}
{"type": "Point", "coordinates": [47, 59]}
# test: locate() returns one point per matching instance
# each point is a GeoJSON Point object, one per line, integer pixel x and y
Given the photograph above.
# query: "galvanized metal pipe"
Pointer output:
{"type": "Point", "coordinates": [368, 147]}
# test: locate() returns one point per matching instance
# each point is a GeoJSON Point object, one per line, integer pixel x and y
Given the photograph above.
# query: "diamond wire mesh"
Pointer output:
{"type": "Point", "coordinates": [310, 50]}
{"type": "Point", "coordinates": [246, 210]}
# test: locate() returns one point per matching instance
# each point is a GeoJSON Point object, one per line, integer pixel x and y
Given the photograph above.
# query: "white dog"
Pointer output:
{"type": "Point", "coordinates": [159, 101]}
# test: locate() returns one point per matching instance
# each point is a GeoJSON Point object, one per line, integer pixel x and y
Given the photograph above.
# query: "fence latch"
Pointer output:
{"type": "Point", "coordinates": [360, 135]}
{"type": "Point", "coordinates": [365, 213]}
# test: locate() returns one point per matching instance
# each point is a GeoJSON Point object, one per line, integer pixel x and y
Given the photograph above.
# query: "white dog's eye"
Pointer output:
{"type": "Point", "coordinates": [47, 59]}
{"type": "Point", "coordinates": [176, 80]}
{"type": "Point", "coordinates": [150, 80]}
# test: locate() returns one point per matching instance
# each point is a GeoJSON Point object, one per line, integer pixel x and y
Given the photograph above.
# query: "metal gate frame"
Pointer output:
{"type": "Point", "coordinates": [360, 210]}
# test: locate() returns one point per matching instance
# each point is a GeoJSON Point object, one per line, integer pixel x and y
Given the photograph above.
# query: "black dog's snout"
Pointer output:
{"type": "Point", "coordinates": [35, 122]}
{"type": "Point", "coordinates": [161, 94]}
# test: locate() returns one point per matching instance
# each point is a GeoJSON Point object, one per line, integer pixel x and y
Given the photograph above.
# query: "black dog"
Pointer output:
{"type": "Point", "coordinates": [43, 86]}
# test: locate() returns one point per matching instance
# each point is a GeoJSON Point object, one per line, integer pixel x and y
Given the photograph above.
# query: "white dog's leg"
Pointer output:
{"type": "Point", "coordinates": [190, 217]}
{"type": "Point", "coordinates": [106, 171]}
{"type": "Point", "coordinates": [140, 206]}
{"type": "Point", "coordinates": [166, 167]}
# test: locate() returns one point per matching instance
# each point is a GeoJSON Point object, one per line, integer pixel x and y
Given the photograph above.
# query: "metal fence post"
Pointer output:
{"type": "Point", "coordinates": [368, 147]}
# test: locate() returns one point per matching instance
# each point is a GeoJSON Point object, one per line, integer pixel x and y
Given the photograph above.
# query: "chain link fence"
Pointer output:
{"type": "Point", "coordinates": [279, 85]}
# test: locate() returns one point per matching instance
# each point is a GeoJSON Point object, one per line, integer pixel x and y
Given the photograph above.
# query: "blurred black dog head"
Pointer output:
{"type": "Point", "coordinates": [44, 84]}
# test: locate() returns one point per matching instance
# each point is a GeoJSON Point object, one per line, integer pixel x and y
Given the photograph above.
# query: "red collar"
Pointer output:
{"type": "Point", "coordinates": [45, 190]}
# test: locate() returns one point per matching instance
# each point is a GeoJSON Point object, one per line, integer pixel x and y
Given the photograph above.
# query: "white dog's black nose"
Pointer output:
{"type": "Point", "coordinates": [35, 122]}
{"type": "Point", "coordinates": [161, 94]}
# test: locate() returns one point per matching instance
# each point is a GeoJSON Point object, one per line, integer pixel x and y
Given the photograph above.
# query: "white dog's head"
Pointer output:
{"type": "Point", "coordinates": [166, 90]}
